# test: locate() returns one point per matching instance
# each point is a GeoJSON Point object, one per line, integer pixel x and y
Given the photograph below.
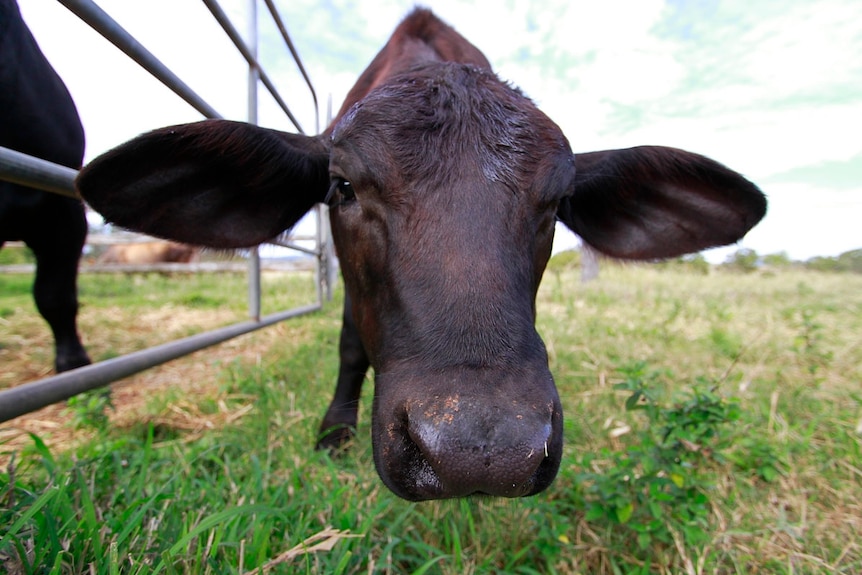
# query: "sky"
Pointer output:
{"type": "Point", "coordinates": [771, 88]}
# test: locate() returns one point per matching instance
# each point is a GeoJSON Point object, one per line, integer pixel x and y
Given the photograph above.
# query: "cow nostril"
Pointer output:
{"type": "Point", "coordinates": [450, 446]}
{"type": "Point", "coordinates": [460, 456]}
{"type": "Point", "coordinates": [415, 478]}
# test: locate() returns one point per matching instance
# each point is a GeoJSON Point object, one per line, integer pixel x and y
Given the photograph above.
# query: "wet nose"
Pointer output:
{"type": "Point", "coordinates": [455, 447]}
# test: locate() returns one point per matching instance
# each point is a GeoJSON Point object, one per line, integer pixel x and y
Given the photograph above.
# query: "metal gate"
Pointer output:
{"type": "Point", "coordinates": [23, 169]}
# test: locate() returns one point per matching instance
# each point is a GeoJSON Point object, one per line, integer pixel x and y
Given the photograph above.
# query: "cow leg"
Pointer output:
{"type": "Point", "coordinates": [56, 288]}
{"type": "Point", "coordinates": [339, 423]}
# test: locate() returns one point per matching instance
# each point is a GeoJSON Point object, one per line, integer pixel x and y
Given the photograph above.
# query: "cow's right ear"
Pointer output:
{"type": "Point", "coordinates": [213, 183]}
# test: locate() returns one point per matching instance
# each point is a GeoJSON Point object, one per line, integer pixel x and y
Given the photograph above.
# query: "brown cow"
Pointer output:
{"type": "Point", "coordinates": [445, 184]}
{"type": "Point", "coordinates": [149, 253]}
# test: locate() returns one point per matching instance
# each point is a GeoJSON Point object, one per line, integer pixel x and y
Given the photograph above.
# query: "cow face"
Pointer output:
{"type": "Point", "coordinates": [445, 187]}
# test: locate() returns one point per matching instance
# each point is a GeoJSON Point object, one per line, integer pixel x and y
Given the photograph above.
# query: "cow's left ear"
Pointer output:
{"type": "Point", "coordinates": [213, 183]}
{"type": "Point", "coordinates": [655, 202]}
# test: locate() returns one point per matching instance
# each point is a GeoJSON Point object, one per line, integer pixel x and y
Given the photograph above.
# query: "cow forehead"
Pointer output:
{"type": "Point", "coordinates": [445, 118]}
{"type": "Point", "coordinates": [437, 98]}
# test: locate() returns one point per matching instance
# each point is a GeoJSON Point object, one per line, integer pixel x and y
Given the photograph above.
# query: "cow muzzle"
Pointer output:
{"type": "Point", "coordinates": [456, 445]}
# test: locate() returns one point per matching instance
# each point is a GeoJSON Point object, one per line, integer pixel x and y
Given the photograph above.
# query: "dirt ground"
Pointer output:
{"type": "Point", "coordinates": [195, 374]}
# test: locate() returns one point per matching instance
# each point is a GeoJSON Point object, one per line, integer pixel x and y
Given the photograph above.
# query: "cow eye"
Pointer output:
{"type": "Point", "coordinates": [340, 192]}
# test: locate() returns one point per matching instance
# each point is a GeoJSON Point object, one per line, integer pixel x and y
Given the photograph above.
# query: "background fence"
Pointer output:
{"type": "Point", "coordinates": [23, 169]}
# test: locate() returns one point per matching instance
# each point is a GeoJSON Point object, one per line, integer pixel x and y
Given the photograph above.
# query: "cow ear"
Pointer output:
{"type": "Point", "coordinates": [213, 183]}
{"type": "Point", "coordinates": [655, 202]}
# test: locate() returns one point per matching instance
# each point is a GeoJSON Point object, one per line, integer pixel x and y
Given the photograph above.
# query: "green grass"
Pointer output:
{"type": "Point", "coordinates": [776, 486]}
{"type": "Point", "coordinates": [121, 313]}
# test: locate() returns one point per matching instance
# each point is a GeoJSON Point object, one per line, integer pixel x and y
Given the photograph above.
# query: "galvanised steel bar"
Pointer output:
{"type": "Point", "coordinates": [293, 246]}
{"type": "Point", "coordinates": [283, 29]}
{"type": "Point", "coordinates": [253, 79]}
{"type": "Point", "coordinates": [222, 18]}
{"type": "Point", "coordinates": [98, 19]}
{"type": "Point", "coordinates": [26, 170]}
{"type": "Point", "coordinates": [37, 394]}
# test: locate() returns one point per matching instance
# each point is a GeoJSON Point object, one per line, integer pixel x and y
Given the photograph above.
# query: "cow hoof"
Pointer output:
{"type": "Point", "coordinates": [70, 362]}
{"type": "Point", "coordinates": [334, 438]}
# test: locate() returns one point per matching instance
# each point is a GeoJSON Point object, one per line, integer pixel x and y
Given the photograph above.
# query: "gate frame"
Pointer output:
{"type": "Point", "coordinates": [35, 172]}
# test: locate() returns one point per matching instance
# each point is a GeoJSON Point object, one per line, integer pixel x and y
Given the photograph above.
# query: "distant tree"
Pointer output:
{"type": "Point", "coordinates": [743, 259]}
{"type": "Point", "coordinates": [567, 260]}
{"type": "Point", "coordinates": [777, 260]}
{"type": "Point", "coordinates": [696, 263]}
{"type": "Point", "coordinates": [822, 264]}
{"type": "Point", "coordinates": [851, 261]}
{"type": "Point", "coordinates": [584, 258]}
{"type": "Point", "coordinates": [693, 263]}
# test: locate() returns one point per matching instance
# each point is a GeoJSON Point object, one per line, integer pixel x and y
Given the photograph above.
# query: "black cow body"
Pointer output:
{"type": "Point", "coordinates": [38, 117]}
{"type": "Point", "coordinates": [444, 185]}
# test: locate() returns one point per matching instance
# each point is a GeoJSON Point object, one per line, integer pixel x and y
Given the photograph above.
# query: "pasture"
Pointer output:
{"type": "Point", "coordinates": [713, 424]}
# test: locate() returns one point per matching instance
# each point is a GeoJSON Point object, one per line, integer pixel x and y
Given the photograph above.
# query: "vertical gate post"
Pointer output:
{"type": "Point", "coordinates": [253, 78]}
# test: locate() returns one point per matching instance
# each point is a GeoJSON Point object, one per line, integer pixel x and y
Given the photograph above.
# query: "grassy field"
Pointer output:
{"type": "Point", "coordinates": [713, 425]}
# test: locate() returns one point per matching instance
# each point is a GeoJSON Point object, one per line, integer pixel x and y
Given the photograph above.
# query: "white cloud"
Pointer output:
{"type": "Point", "coordinates": [811, 45]}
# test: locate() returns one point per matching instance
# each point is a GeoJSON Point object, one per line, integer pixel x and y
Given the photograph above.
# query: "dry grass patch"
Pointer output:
{"type": "Point", "coordinates": [112, 329]}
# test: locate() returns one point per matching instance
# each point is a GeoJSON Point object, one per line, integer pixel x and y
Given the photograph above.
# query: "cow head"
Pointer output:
{"type": "Point", "coordinates": [445, 184]}
{"type": "Point", "coordinates": [444, 220]}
